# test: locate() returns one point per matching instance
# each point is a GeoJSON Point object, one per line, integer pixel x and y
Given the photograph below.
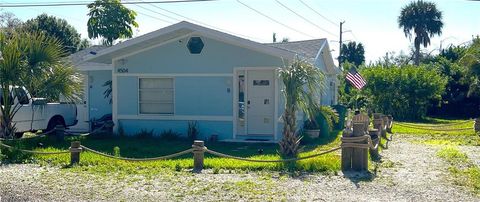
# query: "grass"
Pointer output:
{"type": "Point", "coordinates": [464, 172]}
{"type": "Point", "coordinates": [146, 147]}
{"type": "Point", "coordinates": [430, 131]}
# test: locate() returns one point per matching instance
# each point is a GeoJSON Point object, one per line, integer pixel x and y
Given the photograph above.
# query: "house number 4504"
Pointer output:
{"type": "Point", "coordinates": [122, 70]}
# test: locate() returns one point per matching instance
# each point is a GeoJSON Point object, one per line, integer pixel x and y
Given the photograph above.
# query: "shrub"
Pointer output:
{"type": "Point", "coordinates": [404, 92]}
{"type": "Point", "coordinates": [145, 134]}
{"type": "Point", "coordinates": [170, 135]}
{"type": "Point", "coordinates": [192, 131]}
{"type": "Point", "coordinates": [116, 151]}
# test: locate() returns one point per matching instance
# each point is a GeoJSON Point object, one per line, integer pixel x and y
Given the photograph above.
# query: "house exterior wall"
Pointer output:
{"type": "Point", "coordinates": [98, 104]}
{"type": "Point", "coordinates": [203, 86]}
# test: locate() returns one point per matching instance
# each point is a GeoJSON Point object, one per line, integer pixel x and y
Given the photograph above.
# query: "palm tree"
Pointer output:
{"type": "Point", "coordinates": [37, 62]}
{"type": "Point", "coordinates": [303, 84]}
{"type": "Point", "coordinates": [424, 19]}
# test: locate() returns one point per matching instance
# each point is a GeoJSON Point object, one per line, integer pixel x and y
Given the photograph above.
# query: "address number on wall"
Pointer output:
{"type": "Point", "coordinates": [122, 70]}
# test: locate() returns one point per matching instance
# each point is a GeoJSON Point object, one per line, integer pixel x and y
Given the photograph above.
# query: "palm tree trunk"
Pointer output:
{"type": "Point", "coordinates": [417, 53]}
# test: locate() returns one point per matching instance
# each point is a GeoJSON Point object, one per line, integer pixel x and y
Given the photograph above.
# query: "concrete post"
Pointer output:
{"type": "Point", "coordinates": [75, 151]}
{"type": "Point", "coordinates": [198, 155]}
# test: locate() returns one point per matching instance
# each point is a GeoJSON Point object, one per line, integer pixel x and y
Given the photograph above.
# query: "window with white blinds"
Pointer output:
{"type": "Point", "coordinates": [156, 96]}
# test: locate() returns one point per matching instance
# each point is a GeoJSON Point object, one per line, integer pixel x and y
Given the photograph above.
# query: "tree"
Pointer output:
{"type": "Point", "coordinates": [471, 59]}
{"type": "Point", "coordinates": [353, 53]}
{"type": "Point", "coordinates": [55, 27]}
{"type": "Point", "coordinates": [424, 20]}
{"type": "Point", "coordinates": [111, 20]}
{"type": "Point", "coordinates": [37, 62]}
{"type": "Point", "coordinates": [405, 92]}
{"type": "Point", "coordinates": [9, 22]}
{"type": "Point", "coordinates": [303, 83]}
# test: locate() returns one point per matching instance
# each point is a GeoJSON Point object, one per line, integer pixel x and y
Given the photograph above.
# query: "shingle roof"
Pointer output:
{"type": "Point", "coordinates": [77, 57]}
{"type": "Point", "coordinates": [307, 48]}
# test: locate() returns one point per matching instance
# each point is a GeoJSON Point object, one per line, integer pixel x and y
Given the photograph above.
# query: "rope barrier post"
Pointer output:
{"type": "Point", "coordinates": [60, 132]}
{"type": "Point", "coordinates": [198, 155]}
{"type": "Point", "coordinates": [476, 126]}
{"type": "Point", "coordinates": [347, 152]}
{"type": "Point", "coordinates": [75, 151]}
{"type": "Point", "coordinates": [389, 123]}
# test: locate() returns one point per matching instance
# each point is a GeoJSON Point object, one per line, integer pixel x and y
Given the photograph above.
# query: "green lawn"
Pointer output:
{"type": "Point", "coordinates": [464, 171]}
{"type": "Point", "coordinates": [435, 131]}
{"type": "Point", "coordinates": [135, 147]}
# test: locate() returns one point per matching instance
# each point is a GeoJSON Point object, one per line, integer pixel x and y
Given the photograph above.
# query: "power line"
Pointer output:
{"type": "Point", "coordinates": [83, 3]}
{"type": "Point", "coordinates": [140, 6]}
{"type": "Point", "coordinates": [202, 23]}
{"type": "Point", "coordinates": [318, 13]}
{"type": "Point", "coordinates": [276, 21]}
{"type": "Point", "coordinates": [153, 16]}
{"type": "Point", "coordinates": [300, 16]}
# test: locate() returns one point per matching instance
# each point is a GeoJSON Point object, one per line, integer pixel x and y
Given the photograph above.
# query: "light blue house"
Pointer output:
{"type": "Point", "coordinates": [185, 72]}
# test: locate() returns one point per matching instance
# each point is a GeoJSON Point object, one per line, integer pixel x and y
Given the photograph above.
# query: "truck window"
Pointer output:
{"type": "Point", "coordinates": [21, 96]}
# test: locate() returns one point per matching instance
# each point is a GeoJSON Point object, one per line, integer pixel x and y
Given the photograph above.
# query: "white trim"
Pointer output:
{"type": "Point", "coordinates": [210, 33]}
{"type": "Point", "coordinates": [176, 75]}
{"type": "Point", "coordinates": [235, 91]}
{"type": "Point", "coordinates": [176, 117]}
{"type": "Point", "coordinates": [93, 67]}
{"type": "Point", "coordinates": [275, 113]}
{"type": "Point", "coordinates": [114, 100]}
{"type": "Point", "coordinates": [87, 98]}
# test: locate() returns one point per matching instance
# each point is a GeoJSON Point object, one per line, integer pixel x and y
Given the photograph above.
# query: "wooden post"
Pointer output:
{"type": "Point", "coordinates": [198, 155]}
{"type": "Point", "coordinates": [60, 132]}
{"type": "Point", "coordinates": [346, 160]}
{"type": "Point", "coordinates": [75, 150]}
{"type": "Point", "coordinates": [360, 158]}
{"type": "Point", "coordinates": [476, 126]}
{"type": "Point", "coordinates": [390, 123]}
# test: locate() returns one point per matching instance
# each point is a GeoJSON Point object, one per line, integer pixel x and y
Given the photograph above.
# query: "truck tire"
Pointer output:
{"type": "Point", "coordinates": [56, 120]}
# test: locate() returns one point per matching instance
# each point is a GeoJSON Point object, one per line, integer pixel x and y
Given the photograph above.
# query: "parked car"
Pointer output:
{"type": "Point", "coordinates": [45, 115]}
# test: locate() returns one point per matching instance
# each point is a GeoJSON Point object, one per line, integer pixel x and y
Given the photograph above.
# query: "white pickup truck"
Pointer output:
{"type": "Point", "coordinates": [45, 115]}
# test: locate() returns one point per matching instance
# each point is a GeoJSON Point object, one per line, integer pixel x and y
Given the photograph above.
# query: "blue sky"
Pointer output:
{"type": "Point", "coordinates": [372, 22]}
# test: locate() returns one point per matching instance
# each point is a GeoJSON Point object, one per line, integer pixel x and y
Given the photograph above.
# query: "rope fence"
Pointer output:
{"type": "Point", "coordinates": [270, 161]}
{"type": "Point", "coordinates": [434, 129]}
{"type": "Point", "coordinates": [138, 159]}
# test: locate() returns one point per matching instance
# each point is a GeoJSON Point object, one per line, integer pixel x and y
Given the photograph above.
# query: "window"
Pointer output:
{"type": "Point", "coordinates": [261, 82]}
{"type": "Point", "coordinates": [21, 95]}
{"type": "Point", "coordinates": [156, 96]}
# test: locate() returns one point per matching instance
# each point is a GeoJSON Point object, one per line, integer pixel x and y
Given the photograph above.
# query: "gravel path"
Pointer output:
{"type": "Point", "coordinates": [409, 172]}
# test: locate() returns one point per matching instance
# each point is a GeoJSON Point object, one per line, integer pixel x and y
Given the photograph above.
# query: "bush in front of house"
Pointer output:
{"type": "Point", "coordinates": [405, 92]}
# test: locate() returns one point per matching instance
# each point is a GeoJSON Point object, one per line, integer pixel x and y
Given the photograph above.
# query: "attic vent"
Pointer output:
{"type": "Point", "coordinates": [195, 45]}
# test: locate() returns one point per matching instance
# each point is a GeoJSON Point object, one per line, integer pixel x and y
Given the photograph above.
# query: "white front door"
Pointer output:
{"type": "Point", "coordinates": [83, 124]}
{"type": "Point", "coordinates": [260, 102]}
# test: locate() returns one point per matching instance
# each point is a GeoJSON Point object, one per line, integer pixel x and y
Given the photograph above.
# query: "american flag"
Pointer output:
{"type": "Point", "coordinates": [356, 79]}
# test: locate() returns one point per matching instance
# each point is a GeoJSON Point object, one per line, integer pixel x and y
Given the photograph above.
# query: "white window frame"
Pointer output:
{"type": "Point", "coordinates": [139, 103]}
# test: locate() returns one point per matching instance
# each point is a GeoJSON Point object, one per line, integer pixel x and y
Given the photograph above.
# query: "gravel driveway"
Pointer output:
{"type": "Point", "coordinates": [409, 172]}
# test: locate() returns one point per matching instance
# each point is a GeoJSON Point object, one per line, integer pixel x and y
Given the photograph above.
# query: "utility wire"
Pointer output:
{"type": "Point", "coordinates": [152, 16]}
{"type": "Point", "coordinates": [199, 22]}
{"type": "Point", "coordinates": [318, 13]}
{"type": "Point", "coordinates": [153, 11]}
{"type": "Point", "coordinates": [83, 3]}
{"type": "Point", "coordinates": [307, 20]}
{"type": "Point", "coordinates": [276, 21]}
